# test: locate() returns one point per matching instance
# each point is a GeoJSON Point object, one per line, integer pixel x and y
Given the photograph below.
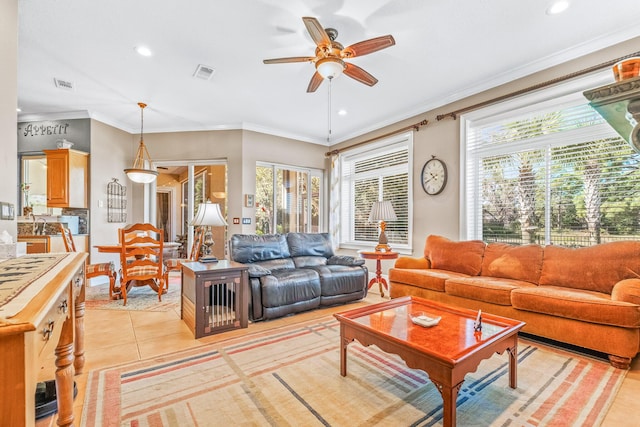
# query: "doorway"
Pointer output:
{"type": "Point", "coordinates": [181, 187]}
{"type": "Point", "coordinates": [164, 213]}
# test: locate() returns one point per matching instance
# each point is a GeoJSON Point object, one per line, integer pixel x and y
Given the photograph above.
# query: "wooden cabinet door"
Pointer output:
{"type": "Point", "coordinates": [67, 178]}
{"type": "Point", "coordinates": [36, 245]}
{"type": "Point", "coordinates": [58, 178]}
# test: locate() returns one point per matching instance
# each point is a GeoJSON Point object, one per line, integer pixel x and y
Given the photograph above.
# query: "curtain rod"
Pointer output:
{"type": "Point", "coordinates": [415, 127]}
{"type": "Point", "coordinates": [454, 114]}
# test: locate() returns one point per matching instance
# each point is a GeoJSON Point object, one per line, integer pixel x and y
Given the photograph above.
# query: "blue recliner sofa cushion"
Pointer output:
{"type": "Point", "coordinates": [310, 244]}
{"type": "Point", "coordinates": [246, 248]}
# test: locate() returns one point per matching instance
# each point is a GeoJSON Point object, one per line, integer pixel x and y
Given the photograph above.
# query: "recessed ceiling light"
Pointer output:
{"type": "Point", "coordinates": [18, 109]}
{"type": "Point", "coordinates": [342, 112]}
{"type": "Point", "coordinates": [557, 7]}
{"type": "Point", "coordinates": [143, 50]}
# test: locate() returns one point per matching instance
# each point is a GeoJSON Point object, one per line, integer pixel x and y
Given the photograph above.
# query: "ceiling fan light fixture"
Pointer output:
{"type": "Point", "coordinates": [139, 173]}
{"type": "Point", "coordinates": [330, 67]}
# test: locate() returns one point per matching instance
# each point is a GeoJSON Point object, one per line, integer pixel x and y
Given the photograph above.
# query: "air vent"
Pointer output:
{"type": "Point", "coordinates": [63, 84]}
{"type": "Point", "coordinates": [204, 72]}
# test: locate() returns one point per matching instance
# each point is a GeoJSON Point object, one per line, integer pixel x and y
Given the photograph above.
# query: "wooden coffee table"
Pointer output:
{"type": "Point", "coordinates": [446, 352]}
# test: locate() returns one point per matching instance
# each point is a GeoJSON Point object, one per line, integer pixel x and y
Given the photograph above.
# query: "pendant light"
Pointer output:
{"type": "Point", "coordinates": [138, 173]}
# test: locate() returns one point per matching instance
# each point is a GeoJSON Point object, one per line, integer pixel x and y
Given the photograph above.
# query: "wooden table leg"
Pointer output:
{"type": "Point", "coordinates": [79, 305]}
{"type": "Point", "coordinates": [449, 398]}
{"type": "Point", "coordinates": [513, 363]}
{"type": "Point", "coordinates": [381, 281]}
{"type": "Point", "coordinates": [343, 352]}
{"type": "Point", "coordinates": [64, 374]}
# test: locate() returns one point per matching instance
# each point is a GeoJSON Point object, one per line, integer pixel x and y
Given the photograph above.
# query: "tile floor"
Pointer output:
{"type": "Point", "coordinates": [114, 337]}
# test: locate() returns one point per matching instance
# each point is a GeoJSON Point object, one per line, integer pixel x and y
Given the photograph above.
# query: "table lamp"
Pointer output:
{"type": "Point", "coordinates": [208, 216]}
{"type": "Point", "coordinates": [381, 212]}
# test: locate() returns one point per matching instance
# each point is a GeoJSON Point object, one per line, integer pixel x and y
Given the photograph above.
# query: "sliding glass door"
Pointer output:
{"type": "Point", "coordinates": [188, 184]}
{"type": "Point", "coordinates": [288, 199]}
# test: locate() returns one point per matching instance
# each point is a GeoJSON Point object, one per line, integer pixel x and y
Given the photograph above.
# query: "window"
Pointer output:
{"type": "Point", "coordinates": [379, 171]}
{"type": "Point", "coordinates": [288, 199]}
{"type": "Point", "coordinates": [550, 172]}
{"type": "Point", "coordinates": [34, 184]}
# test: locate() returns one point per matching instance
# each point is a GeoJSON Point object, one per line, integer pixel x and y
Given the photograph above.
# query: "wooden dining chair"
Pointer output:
{"type": "Point", "coordinates": [91, 270]}
{"type": "Point", "coordinates": [141, 258]}
{"type": "Point", "coordinates": [175, 264]}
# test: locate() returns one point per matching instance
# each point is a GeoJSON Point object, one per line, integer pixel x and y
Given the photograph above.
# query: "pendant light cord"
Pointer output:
{"type": "Point", "coordinates": [141, 105]}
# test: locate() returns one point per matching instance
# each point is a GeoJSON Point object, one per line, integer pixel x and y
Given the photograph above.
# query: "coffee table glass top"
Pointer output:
{"type": "Point", "coordinates": [452, 338]}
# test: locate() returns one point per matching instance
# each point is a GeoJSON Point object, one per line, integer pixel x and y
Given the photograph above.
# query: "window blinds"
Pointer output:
{"type": "Point", "coordinates": [380, 172]}
{"type": "Point", "coordinates": [553, 173]}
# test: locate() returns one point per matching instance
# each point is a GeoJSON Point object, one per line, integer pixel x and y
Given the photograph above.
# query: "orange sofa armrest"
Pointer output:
{"type": "Point", "coordinates": [410, 262]}
{"type": "Point", "coordinates": [627, 290]}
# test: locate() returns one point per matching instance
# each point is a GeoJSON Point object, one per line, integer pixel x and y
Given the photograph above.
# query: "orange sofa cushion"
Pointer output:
{"type": "Point", "coordinates": [588, 306]}
{"type": "Point", "coordinates": [595, 268]}
{"type": "Point", "coordinates": [462, 257]}
{"type": "Point", "coordinates": [627, 290]}
{"type": "Point", "coordinates": [513, 262]}
{"type": "Point", "coordinates": [488, 289]}
{"type": "Point", "coordinates": [423, 278]}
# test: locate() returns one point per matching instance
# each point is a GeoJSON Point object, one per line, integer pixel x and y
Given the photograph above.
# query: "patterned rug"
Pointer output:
{"type": "Point", "coordinates": [141, 298]}
{"type": "Point", "coordinates": [290, 376]}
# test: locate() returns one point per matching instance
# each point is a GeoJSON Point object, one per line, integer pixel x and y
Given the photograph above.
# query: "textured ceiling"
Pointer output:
{"type": "Point", "coordinates": [445, 50]}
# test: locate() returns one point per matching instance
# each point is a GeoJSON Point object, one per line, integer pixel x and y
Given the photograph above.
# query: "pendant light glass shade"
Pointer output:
{"type": "Point", "coordinates": [329, 68]}
{"type": "Point", "coordinates": [141, 172]}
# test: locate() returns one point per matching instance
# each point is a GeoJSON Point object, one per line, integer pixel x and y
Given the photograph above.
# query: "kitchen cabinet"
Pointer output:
{"type": "Point", "coordinates": [67, 178]}
{"type": "Point", "coordinates": [36, 244]}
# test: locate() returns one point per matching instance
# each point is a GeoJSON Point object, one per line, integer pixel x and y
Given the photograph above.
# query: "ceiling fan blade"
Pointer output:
{"type": "Point", "coordinates": [368, 46]}
{"type": "Point", "coordinates": [315, 82]}
{"type": "Point", "coordinates": [291, 59]}
{"type": "Point", "coordinates": [359, 74]}
{"type": "Point", "coordinates": [317, 33]}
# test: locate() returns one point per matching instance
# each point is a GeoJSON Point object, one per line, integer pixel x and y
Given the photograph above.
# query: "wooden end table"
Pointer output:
{"type": "Point", "coordinates": [446, 351]}
{"type": "Point", "coordinates": [215, 296]}
{"type": "Point", "coordinates": [378, 256]}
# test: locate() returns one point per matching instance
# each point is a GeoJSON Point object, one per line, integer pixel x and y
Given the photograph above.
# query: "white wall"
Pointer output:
{"type": "Point", "coordinates": [110, 153]}
{"type": "Point", "coordinates": [8, 114]}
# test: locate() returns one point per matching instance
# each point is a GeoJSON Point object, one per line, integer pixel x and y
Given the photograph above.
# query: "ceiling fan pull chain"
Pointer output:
{"type": "Point", "coordinates": [329, 112]}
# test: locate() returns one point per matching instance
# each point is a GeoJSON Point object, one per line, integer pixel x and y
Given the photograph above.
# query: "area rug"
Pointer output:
{"type": "Point", "coordinates": [290, 376]}
{"type": "Point", "coordinates": [141, 298]}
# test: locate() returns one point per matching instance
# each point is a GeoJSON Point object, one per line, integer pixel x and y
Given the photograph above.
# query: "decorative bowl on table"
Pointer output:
{"type": "Point", "coordinates": [423, 319]}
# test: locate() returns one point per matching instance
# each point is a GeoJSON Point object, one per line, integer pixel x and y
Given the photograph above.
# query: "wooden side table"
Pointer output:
{"type": "Point", "coordinates": [215, 296]}
{"type": "Point", "coordinates": [378, 256]}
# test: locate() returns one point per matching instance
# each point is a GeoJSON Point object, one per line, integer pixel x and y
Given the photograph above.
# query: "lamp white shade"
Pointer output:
{"type": "Point", "coordinates": [208, 214]}
{"type": "Point", "coordinates": [382, 211]}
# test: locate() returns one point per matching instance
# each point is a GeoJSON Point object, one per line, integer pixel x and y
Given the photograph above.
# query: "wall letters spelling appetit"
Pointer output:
{"type": "Point", "coordinates": [35, 130]}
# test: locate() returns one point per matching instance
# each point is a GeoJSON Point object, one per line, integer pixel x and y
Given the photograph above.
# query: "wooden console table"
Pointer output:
{"type": "Point", "coordinates": [37, 320]}
{"type": "Point", "coordinates": [215, 296]}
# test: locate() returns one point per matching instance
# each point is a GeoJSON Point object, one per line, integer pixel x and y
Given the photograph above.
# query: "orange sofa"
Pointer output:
{"type": "Point", "coordinates": [589, 297]}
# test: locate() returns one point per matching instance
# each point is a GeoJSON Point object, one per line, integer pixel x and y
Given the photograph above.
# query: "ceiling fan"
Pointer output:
{"type": "Point", "coordinates": [331, 55]}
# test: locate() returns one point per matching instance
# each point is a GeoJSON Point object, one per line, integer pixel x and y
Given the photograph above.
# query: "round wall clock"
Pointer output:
{"type": "Point", "coordinates": [434, 176]}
